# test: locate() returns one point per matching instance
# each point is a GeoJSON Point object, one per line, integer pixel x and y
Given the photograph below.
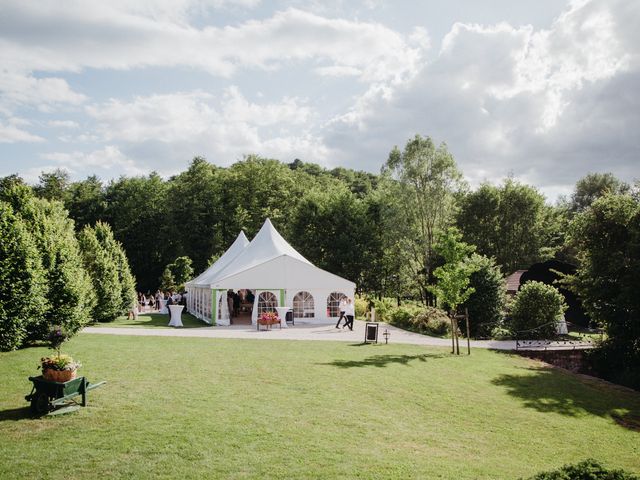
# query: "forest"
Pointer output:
{"type": "Point", "coordinates": [416, 231]}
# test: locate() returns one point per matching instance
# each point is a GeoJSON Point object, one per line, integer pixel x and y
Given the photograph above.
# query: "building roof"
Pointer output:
{"type": "Point", "coordinates": [513, 281]}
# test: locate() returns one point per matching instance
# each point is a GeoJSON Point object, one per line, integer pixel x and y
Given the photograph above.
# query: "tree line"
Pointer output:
{"type": "Point", "coordinates": [393, 233]}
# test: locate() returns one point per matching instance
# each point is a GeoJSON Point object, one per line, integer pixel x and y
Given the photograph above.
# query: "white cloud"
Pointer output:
{"type": "Point", "coordinates": [116, 36]}
{"type": "Point", "coordinates": [21, 89]}
{"type": "Point", "coordinates": [11, 132]}
{"type": "Point", "coordinates": [180, 125]}
{"type": "Point", "coordinates": [108, 159]}
{"type": "Point", "coordinates": [63, 124]}
{"type": "Point", "coordinates": [549, 105]}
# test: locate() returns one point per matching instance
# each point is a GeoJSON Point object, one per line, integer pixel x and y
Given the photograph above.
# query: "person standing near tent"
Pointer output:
{"type": "Point", "coordinates": [350, 312]}
{"type": "Point", "coordinates": [341, 307]}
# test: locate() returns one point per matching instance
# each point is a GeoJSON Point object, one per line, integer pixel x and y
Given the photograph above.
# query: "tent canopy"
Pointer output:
{"type": "Point", "coordinates": [268, 261]}
{"type": "Point", "coordinates": [205, 278]}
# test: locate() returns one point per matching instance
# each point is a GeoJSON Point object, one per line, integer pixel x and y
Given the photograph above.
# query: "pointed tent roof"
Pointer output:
{"type": "Point", "coordinates": [206, 277]}
{"type": "Point", "coordinates": [268, 261]}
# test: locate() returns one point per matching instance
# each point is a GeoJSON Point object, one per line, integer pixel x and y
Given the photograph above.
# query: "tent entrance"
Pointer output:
{"type": "Point", "coordinates": [241, 306]}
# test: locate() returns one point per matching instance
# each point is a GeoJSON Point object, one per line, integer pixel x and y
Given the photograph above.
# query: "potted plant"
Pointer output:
{"type": "Point", "coordinates": [268, 318]}
{"type": "Point", "coordinates": [59, 367]}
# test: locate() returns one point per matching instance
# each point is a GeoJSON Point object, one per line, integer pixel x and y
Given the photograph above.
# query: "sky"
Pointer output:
{"type": "Point", "coordinates": [545, 91]}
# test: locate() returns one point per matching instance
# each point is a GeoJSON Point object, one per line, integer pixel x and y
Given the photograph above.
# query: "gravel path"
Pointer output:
{"type": "Point", "coordinates": [301, 331]}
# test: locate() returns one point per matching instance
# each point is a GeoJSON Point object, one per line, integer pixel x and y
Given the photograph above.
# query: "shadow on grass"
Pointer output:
{"type": "Point", "coordinates": [152, 320]}
{"type": "Point", "coordinates": [551, 391]}
{"type": "Point", "coordinates": [383, 360]}
{"type": "Point", "coordinates": [14, 414]}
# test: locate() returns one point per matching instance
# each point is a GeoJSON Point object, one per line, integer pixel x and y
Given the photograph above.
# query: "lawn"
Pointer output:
{"type": "Point", "coordinates": [152, 320]}
{"type": "Point", "coordinates": [213, 408]}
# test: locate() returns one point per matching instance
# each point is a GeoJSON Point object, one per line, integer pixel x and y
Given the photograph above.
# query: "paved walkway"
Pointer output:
{"type": "Point", "coordinates": [301, 331]}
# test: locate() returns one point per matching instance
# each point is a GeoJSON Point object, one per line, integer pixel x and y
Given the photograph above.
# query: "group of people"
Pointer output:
{"type": "Point", "coordinates": [150, 302]}
{"type": "Point", "coordinates": [347, 312]}
{"type": "Point", "coordinates": [236, 299]}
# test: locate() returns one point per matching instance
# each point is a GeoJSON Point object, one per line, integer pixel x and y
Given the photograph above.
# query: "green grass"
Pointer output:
{"type": "Point", "coordinates": [211, 408]}
{"type": "Point", "coordinates": [151, 320]}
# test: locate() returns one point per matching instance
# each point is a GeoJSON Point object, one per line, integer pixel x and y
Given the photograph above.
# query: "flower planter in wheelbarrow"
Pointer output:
{"type": "Point", "coordinates": [54, 398]}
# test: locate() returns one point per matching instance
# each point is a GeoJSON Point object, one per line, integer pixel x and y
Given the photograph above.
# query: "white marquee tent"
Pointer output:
{"type": "Point", "coordinates": [278, 274]}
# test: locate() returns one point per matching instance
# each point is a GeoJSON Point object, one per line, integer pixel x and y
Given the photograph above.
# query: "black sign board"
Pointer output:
{"type": "Point", "coordinates": [371, 332]}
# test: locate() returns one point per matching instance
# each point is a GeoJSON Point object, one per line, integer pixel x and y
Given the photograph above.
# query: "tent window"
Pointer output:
{"type": "Point", "coordinates": [303, 305]}
{"type": "Point", "coordinates": [222, 297]}
{"type": "Point", "coordinates": [267, 302]}
{"type": "Point", "coordinates": [333, 304]}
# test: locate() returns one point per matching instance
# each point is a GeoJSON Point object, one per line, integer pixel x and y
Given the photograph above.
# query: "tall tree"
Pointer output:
{"type": "Point", "coordinates": [139, 214]}
{"type": "Point", "coordinates": [86, 201]}
{"type": "Point", "coordinates": [607, 237]}
{"type": "Point", "coordinates": [511, 223]}
{"type": "Point", "coordinates": [104, 274]}
{"type": "Point", "coordinates": [22, 287]}
{"type": "Point", "coordinates": [593, 186]}
{"type": "Point", "coordinates": [428, 180]}
{"type": "Point", "coordinates": [53, 185]}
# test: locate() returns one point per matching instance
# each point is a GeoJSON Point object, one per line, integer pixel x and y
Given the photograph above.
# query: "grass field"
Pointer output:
{"type": "Point", "coordinates": [210, 408]}
{"type": "Point", "coordinates": [151, 320]}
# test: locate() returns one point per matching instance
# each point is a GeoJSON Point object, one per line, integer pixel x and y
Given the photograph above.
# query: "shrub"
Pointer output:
{"type": "Point", "coordinates": [383, 308]}
{"type": "Point", "coordinates": [432, 321]}
{"type": "Point", "coordinates": [587, 470]}
{"type": "Point", "coordinates": [536, 309]}
{"type": "Point", "coordinates": [402, 316]}
{"type": "Point", "coordinates": [361, 305]}
{"type": "Point", "coordinates": [486, 304]}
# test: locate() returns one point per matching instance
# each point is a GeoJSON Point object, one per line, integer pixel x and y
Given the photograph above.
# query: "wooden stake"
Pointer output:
{"type": "Point", "coordinates": [466, 317]}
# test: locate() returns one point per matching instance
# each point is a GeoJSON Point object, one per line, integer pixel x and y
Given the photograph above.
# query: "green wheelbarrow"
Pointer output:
{"type": "Point", "coordinates": [55, 398]}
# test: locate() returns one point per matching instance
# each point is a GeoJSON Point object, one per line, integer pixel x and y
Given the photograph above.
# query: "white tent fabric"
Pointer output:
{"type": "Point", "coordinates": [269, 264]}
{"type": "Point", "coordinates": [205, 278]}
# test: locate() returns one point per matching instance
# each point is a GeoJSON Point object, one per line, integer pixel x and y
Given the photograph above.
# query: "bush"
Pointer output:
{"type": "Point", "coordinates": [402, 316]}
{"type": "Point", "coordinates": [587, 470]}
{"type": "Point", "coordinates": [486, 304]}
{"type": "Point", "coordinates": [383, 309]}
{"type": "Point", "coordinates": [427, 320]}
{"type": "Point", "coordinates": [536, 308]}
{"type": "Point", "coordinates": [361, 305]}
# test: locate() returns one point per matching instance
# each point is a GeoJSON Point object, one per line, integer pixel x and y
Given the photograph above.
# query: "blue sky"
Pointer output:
{"type": "Point", "coordinates": [543, 90]}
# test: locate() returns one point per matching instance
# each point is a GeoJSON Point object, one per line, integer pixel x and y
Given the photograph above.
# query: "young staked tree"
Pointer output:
{"type": "Point", "coordinates": [426, 181]}
{"type": "Point", "coordinates": [22, 283]}
{"type": "Point", "coordinates": [452, 287]}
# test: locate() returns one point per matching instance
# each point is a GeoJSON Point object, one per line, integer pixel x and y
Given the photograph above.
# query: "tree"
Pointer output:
{"type": "Point", "coordinates": [487, 303]}
{"type": "Point", "coordinates": [536, 309]}
{"type": "Point", "coordinates": [138, 212]}
{"type": "Point", "coordinates": [53, 185]}
{"type": "Point", "coordinates": [86, 202]}
{"type": "Point", "coordinates": [510, 223]}
{"type": "Point", "coordinates": [427, 180]}
{"type": "Point", "coordinates": [181, 271]}
{"type": "Point", "coordinates": [22, 287]}
{"type": "Point", "coordinates": [167, 282]}
{"type": "Point", "coordinates": [607, 238]}
{"type": "Point", "coordinates": [68, 294]}
{"type": "Point", "coordinates": [107, 264]}
{"type": "Point", "coordinates": [453, 278]}
{"type": "Point", "coordinates": [104, 274]}
{"type": "Point", "coordinates": [593, 186]}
